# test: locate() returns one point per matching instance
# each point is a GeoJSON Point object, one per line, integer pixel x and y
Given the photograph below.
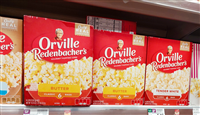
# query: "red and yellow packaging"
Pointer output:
{"type": "Point", "coordinates": [113, 25]}
{"type": "Point", "coordinates": [10, 61]}
{"type": "Point", "coordinates": [167, 72]}
{"type": "Point", "coordinates": [194, 97]}
{"type": "Point", "coordinates": [118, 68]}
{"type": "Point", "coordinates": [58, 62]}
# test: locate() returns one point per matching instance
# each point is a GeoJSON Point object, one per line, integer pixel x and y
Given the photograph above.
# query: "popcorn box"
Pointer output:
{"type": "Point", "coordinates": [58, 62]}
{"type": "Point", "coordinates": [118, 68]}
{"type": "Point", "coordinates": [10, 61]}
{"type": "Point", "coordinates": [167, 72]}
{"type": "Point", "coordinates": [113, 25]}
{"type": "Point", "coordinates": [194, 97]}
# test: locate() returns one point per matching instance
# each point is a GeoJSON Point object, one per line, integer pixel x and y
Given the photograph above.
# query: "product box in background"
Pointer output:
{"type": "Point", "coordinates": [113, 25]}
{"type": "Point", "coordinates": [58, 62]}
{"type": "Point", "coordinates": [194, 98]}
{"type": "Point", "coordinates": [167, 72]}
{"type": "Point", "coordinates": [118, 68]}
{"type": "Point", "coordinates": [10, 61]}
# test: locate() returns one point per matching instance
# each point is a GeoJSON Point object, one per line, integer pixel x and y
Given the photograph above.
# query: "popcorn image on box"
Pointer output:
{"type": "Point", "coordinates": [167, 72]}
{"type": "Point", "coordinates": [118, 68]}
{"type": "Point", "coordinates": [58, 62]}
{"type": "Point", "coordinates": [113, 25]}
{"type": "Point", "coordinates": [194, 98]}
{"type": "Point", "coordinates": [10, 60]}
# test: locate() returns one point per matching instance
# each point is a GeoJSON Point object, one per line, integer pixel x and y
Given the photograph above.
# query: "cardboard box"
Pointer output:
{"type": "Point", "coordinates": [113, 25]}
{"type": "Point", "coordinates": [118, 68]}
{"type": "Point", "coordinates": [194, 98]}
{"type": "Point", "coordinates": [10, 61]}
{"type": "Point", "coordinates": [58, 62]}
{"type": "Point", "coordinates": [167, 72]}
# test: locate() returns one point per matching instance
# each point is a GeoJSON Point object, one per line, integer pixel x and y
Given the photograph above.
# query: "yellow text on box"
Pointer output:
{"type": "Point", "coordinates": [59, 88]}
{"type": "Point", "coordinates": [119, 91]}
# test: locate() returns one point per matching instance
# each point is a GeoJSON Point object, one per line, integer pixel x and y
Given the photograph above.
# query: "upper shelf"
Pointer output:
{"type": "Point", "coordinates": [173, 19]}
{"type": "Point", "coordinates": [181, 10]}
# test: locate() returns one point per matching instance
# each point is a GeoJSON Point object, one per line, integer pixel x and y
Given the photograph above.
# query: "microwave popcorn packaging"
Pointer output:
{"type": "Point", "coordinates": [10, 61]}
{"type": "Point", "coordinates": [194, 98]}
{"type": "Point", "coordinates": [113, 25]}
{"type": "Point", "coordinates": [118, 68]}
{"type": "Point", "coordinates": [58, 62]}
{"type": "Point", "coordinates": [167, 72]}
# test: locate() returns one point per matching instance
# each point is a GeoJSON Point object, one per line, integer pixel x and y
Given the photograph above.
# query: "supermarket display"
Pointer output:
{"type": "Point", "coordinates": [194, 97]}
{"type": "Point", "coordinates": [113, 25]}
{"type": "Point", "coordinates": [10, 60]}
{"type": "Point", "coordinates": [118, 68]}
{"type": "Point", "coordinates": [167, 72]}
{"type": "Point", "coordinates": [58, 62]}
{"type": "Point", "coordinates": [102, 67]}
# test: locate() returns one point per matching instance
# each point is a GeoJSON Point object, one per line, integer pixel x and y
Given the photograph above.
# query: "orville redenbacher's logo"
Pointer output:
{"type": "Point", "coordinates": [169, 50]}
{"type": "Point", "coordinates": [118, 56]}
{"type": "Point", "coordinates": [56, 45]}
{"type": "Point", "coordinates": [168, 60]}
{"type": "Point", "coordinates": [6, 44]}
{"type": "Point", "coordinates": [120, 44]}
{"type": "Point", "coordinates": [59, 34]}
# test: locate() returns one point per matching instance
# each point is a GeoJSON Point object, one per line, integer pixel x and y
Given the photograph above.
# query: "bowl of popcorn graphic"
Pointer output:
{"type": "Point", "coordinates": [76, 73]}
{"type": "Point", "coordinates": [106, 78]}
{"type": "Point", "coordinates": [11, 73]}
{"type": "Point", "coordinates": [165, 83]}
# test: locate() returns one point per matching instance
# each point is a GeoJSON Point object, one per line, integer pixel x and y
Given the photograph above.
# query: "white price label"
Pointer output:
{"type": "Point", "coordinates": [43, 112]}
{"type": "Point", "coordinates": [40, 111]}
{"type": "Point", "coordinates": [158, 111]}
{"type": "Point", "coordinates": [196, 111]}
{"type": "Point", "coordinates": [156, 114]}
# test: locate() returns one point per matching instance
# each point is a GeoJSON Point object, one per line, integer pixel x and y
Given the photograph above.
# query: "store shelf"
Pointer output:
{"type": "Point", "coordinates": [154, 18]}
{"type": "Point", "coordinates": [181, 10]}
{"type": "Point", "coordinates": [97, 109]}
{"type": "Point", "coordinates": [187, 11]}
